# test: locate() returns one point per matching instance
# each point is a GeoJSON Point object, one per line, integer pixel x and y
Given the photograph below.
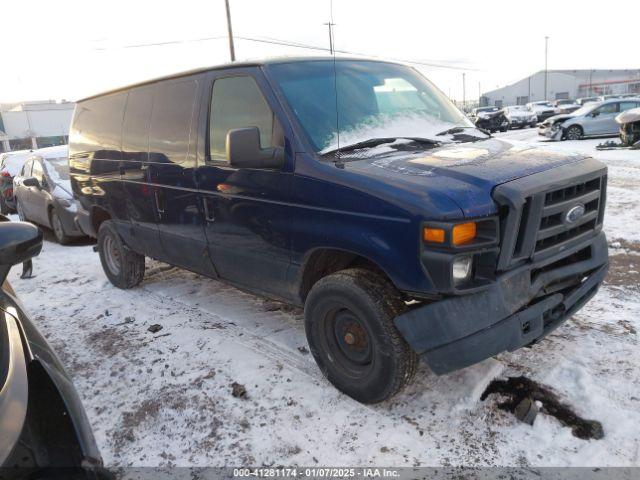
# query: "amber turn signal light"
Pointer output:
{"type": "Point", "coordinates": [434, 235]}
{"type": "Point", "coordinates": [464, 233]}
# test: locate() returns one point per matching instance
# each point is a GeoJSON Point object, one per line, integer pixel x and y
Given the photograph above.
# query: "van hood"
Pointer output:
{"type": "Point", "coordinates": [466, 173]}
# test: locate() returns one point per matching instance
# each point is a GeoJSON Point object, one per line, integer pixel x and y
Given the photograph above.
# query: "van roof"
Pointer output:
{"type": "Point", "coordinates": [248, 63]}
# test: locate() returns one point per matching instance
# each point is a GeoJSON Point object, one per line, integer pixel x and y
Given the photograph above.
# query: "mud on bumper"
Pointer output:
{"type": "Point", "coordinates": [523, 306]}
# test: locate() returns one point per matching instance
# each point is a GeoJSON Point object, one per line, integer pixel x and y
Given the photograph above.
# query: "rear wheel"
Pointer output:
{"type": "Point", "coordinates": [58, 228]}
{"type": "Point", "coordinates": [349, 327]}
{"type": "Point", "coordinates": [124, 267]}
{"type": "Point", "coordinates": [4, 208]}
{"type": "Point", "coordinates": [574, 132]}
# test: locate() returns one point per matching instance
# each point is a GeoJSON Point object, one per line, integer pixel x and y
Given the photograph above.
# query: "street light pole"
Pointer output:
{"type": "Point", "coordinates": [464, 91]}
{"type": "Point", "coordinates": [546, 70]}
{"type": "Point", "coordinates": [330, 25]}
{"type": "Point", "coordinates": [232, 50]}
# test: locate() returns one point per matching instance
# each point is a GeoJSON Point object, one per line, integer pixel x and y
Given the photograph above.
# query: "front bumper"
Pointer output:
{"type": "Point", "coordinates": [521, 307]}
{"type": "Point", "coordinates": [550, 132]}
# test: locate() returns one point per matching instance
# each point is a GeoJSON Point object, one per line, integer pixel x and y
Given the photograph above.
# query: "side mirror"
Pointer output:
{"type": "Point", "coordinates": [243, 150]}
{"type": "Point", "coordinates": [19, 241]}
{"type": "Point", "coordinates": [31, 182]}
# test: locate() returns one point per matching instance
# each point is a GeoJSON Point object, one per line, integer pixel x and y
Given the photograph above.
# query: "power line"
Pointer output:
{"type": "Point", "coordinates": [275, 41]}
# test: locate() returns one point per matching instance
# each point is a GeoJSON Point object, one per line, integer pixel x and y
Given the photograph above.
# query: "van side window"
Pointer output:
{"type": "Point", "coordinates": [97, 127]}
{"type": "Point", "coordinates": [171, 117]}
{"type": "Point", "coordinates": [135, 129]}
{"type": "Point", "coordinates": [237, 102]}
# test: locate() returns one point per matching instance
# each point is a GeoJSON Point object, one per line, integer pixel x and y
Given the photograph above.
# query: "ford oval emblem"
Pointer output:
{"type": "Point", "coordinates": [574, 214]}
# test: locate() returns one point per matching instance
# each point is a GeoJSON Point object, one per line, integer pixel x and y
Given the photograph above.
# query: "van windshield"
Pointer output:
{"type": "Point", "coordinates": [374, 100]}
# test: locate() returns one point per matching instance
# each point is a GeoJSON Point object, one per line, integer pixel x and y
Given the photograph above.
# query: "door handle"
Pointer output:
{"type": "Point", "coordinates": [160, 201]}
{"type": "Point", "coordinates": [208, 210]}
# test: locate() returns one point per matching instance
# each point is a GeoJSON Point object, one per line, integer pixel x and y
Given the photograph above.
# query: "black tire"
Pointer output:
{"type": "Point", "coordinates": [349, 327]}
{"type": "Point", "coordinates": [4, 208]}
{"type": "Point", "coordinates": [123, 267]}
{"type": "Point", "coordinates": [20, 211]}
{"type": "Point", "coordinates": [58, 228]}
{"type": "Point", "coordinates": [574, 132]}
{"type": "Point", "coordinates": [503, 129]}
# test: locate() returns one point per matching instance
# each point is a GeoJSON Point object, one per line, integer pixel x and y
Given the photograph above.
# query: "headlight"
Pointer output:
{"type": "Point", "coordinates": [462, 267]}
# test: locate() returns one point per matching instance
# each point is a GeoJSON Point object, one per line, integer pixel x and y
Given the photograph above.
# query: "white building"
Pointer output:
{"type": "Point", "coordinates": [34, 124]}
{"type": "Point", "coordinates": [564, 84]}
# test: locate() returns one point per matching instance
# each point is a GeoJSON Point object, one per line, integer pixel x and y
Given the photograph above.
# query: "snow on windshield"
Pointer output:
{"type": "Point", "coordinates": [382, 126]}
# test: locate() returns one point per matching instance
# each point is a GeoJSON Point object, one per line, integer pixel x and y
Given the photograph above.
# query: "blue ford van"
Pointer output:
{"type": "Point", "coordinates": [351, 187]}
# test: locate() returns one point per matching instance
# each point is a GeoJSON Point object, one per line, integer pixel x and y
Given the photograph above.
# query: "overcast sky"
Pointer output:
{"type": "Point", "coordinates": [70, 49]}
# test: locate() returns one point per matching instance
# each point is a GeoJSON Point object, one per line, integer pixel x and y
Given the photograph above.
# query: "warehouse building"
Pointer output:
{"type": "Point", "coordinates": [563, 84]}
{"type": "Point", "coordinates": [31, 125]}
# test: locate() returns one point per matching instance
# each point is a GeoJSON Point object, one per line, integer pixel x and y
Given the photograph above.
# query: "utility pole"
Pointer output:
{"type": "Point", "coordinates": [330, 25]}
{"type": "Point", "coordinates": [546, 70]}
{"type": "Point", "coordinates": [464, 91]}
{"type": "Point", "coordinates": [232, 50]}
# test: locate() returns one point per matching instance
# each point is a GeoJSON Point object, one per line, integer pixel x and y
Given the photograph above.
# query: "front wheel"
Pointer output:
{"type": "Point", "coordinates": [349, 327]}
{"type": "Point", "coordinates": [574, 132]}
{"type": "Point", "coordinates": [20, 210]}
{"type": "Point", "coordinates": [58, 229]}
{"type": "Point", "coordinates": [124, 267]}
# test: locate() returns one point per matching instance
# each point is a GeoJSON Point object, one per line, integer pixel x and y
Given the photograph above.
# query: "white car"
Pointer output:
{"type": "Point", "coordinates": [519, 116]}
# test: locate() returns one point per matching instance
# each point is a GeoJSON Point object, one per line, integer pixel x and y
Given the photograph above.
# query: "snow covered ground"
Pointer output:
{"type": "Point", "coordinates": [165, 398]}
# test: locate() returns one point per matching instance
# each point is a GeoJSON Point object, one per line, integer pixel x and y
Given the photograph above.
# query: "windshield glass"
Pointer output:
{"type": "Point", "coordinates": [58, 169]}
{"type": "Point", "coordinates": [585, 109]}
{"type": "Point", "coordinates": [374, 100]}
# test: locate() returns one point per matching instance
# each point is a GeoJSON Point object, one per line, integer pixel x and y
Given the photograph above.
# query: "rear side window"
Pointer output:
{"type": "Point", "coordinates": [135, 129]}
{"type": "Point", "coordinates": [171, 115]}
{"type": "Point", "coordinates": [237, 102]}
{"type": "Point", "coordinates": [627, 105]}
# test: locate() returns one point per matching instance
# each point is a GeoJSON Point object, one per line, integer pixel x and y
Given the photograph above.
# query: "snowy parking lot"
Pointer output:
{"type": "Point", "coordinates": [165, 398]}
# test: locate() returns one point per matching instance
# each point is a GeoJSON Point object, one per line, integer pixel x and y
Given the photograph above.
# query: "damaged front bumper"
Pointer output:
{"type": "Point", "coordinates": [521, 307]}
{"type": "Point", "coordinates": [554, 132]}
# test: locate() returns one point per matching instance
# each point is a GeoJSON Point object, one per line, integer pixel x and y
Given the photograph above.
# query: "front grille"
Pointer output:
{"type": "Point", "coordinates": [543, 222]}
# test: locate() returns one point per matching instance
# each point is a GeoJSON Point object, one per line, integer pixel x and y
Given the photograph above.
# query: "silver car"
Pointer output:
{"type": "Point", "coordinates": [595, 119]}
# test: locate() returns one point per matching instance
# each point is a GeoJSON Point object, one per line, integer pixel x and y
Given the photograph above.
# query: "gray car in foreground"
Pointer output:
{"type": "Point", "coordinates": [591, 120]}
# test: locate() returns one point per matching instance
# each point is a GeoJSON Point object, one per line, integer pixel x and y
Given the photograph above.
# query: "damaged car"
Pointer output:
{"type": "Point", "coordinates": [492, 121]}
{"type": "Point", "coordinates": [629, 122]}
{"type": "Point", "coordinates": [591, 120]}
{"type": "Point", "coordinates": [354, 189]}
{"type": "Point", "coordinates": [519, 116]}
{"type": "Point", "coordinates": [44, 431]}
{"type": "Point", "coordinates": [10, 165]}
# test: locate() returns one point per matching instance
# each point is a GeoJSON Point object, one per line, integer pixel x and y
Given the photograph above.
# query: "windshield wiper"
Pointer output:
{"type": "Point", "coordinates": [374, 142]}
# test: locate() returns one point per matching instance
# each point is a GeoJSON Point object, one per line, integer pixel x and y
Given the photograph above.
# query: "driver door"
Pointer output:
{"type": "Point", "coordinates": [38, 196]}
{"type": "Point", "coordinates": [604, 120]}
{"type": "Point", "coordinates": [245, 210]}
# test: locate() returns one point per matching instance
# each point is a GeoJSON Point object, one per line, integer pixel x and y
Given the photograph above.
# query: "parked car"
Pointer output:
{"type": "Point", "coordinates": [629, 122]}
{"type": "Point", "coordinates": [42, 422]}
{"type": "Point", "coordinates": [10, 165]}
{"type": "Point", "coordinates": [403, 230]}
{"type": "Point", "coordinates": [492, 121]}
{"type": "Point", "coordinates": [519, 116]}
{"type": "Point", "coordinates": [542, 110]}
{"type": "Point", "coordinates": [591, 120]}
{"type": "Point", "coordinates": [585, 100]}
{"type": "Point", "coordinates": [482, 112]}
{"type": "Point", "coordinates": [565, 106]}
{"type": "Point", "coordinates": [43, 193]}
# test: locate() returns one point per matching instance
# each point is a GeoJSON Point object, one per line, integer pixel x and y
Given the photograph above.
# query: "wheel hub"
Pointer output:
{"type": "Point", "coordinates": [352, 338]}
